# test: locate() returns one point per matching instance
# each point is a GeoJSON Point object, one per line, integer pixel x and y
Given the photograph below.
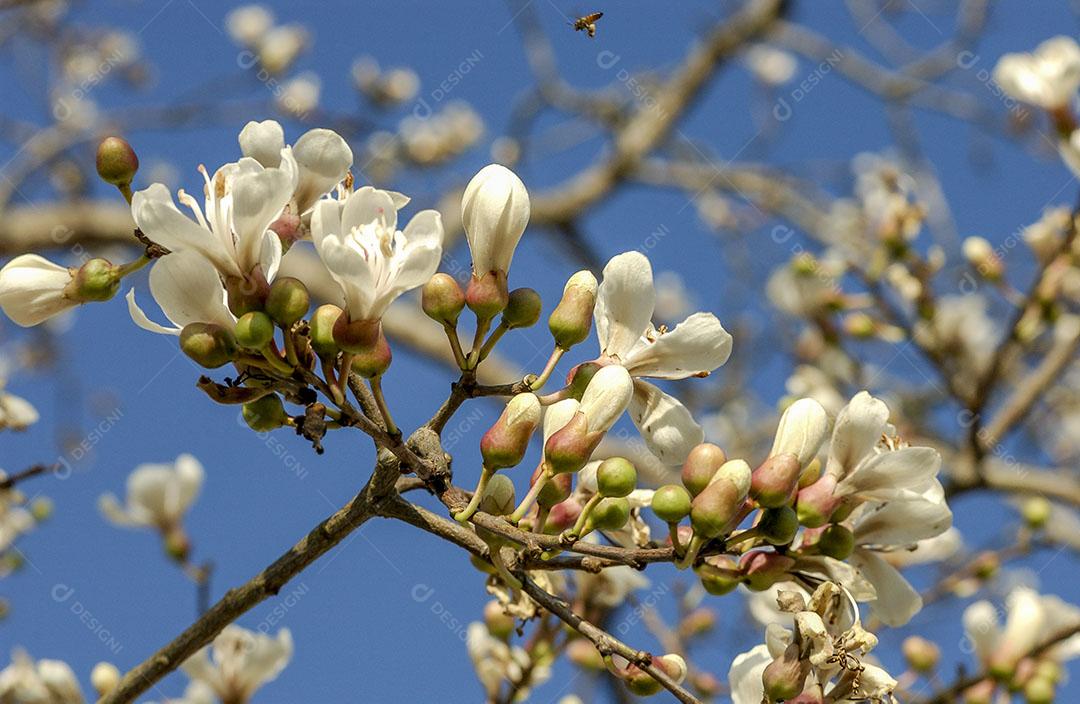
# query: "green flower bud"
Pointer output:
{"type": "Point", "coordinates": [816, 503]}
{"type": "Point", "coordinates": [571, 320]}
{"type": "Point", "coordinates": [773, 484]}
{"type": "Point", "coordinates": [719, 575]}
{"type": "Point", "coordinates": [498, 499]}
{"type": "Point", "coordinates": [522, 309]}
{"type": "Point", "coordinates": [1049, 669]}
{"type": "Point", "coordinates": [556, 490]}
{"type": "Point", "coordinates": [96, 280]}
{"type": "Point", "coordinates": [700, 466]}
{"type": "Point", "coordinates": [254, 330]}
{"type": "Point", "coordinates": [1036, 512]}
{"type": "Point", "coordinates": [784, 677]}
{"type": "Point", "coordinates": [609, 514]}
{"type": "Point", "coordinates": [499, 623]}
{"type": "Point", "coordinates": [288, 301]}
{"type": "Point", "coordinates": [322, 330]}
{"type": "Point", "coordinates": [616, 477]}
{"type": "Point", "coordinates": [579, 377]}
{"type": "Point", "coordinates": [671, 503]}
{"type": "Point", "coordinates": [264, 414]}
{"type": "Point", "coordinates": [778, 526]}
{"type": "Point", "coordinates": [1039, 690]}
{"type": "Point", "coordinates": [836, 541]}
{"type": "Point", "coordinates": [117, 162]}
{"type": "Point", "coordinates": [713, 509]}
{"type": "Point", "coordinates": [442, 299]}
{"type": "Point", "coordinates": [922, 655]}
{"type": "Point", "coordinates": [210, 345]}
{"type": "Point", "coordinates": [41, 508]}
{"type": "Point", "coordinates": [372, 361]}
{"type": "Point", "coordinates": [246, 294]}
{"type": "Point", "coordinates": [569, 448]}
{"type": "Point", "coordinates": [487, 295]}
{"type": "Point", "coordinates": [505, 443]}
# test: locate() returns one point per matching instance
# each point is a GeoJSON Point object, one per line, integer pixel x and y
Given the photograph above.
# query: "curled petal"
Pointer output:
{"type": "Point", "coordinates": [696, 346]}
{"type": "Point", "coordinates": [667, 427]}
{"type": "Point", "coordinates": [624, 303]}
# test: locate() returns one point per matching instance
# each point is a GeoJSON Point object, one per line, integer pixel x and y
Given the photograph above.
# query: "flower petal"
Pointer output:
{"type": "Point", "coordinates": [258, 198]}
{"type": "Point", "coordinates": [158, 217]}
{"type": "Point", "coordinates": [323, 158]}
{"type": "Point", "coordinates": [858, 428]}
{"type": "Point", "coordinates": [143, 321]}
{"type": "Point", "coordinates": [696, 346]}
{"type": "Point", "coordinates": [32, 289]}
{"type": "Point", "coordinates": [882, 476]}
{"type": "Point", "coordinates": [624, 303]}
{"type": "Point", "coordinates": [744, 677]}
{"type": "Point", "coordinates": [667, 427]}
{"type": "Point", "coordinates": [263, 142]}
{"type": "Point", "coordinates": [188, 290]}
{"type": "Point", "coordinates": [982, 628]}
{"type": "Point", "coordinates": [366, 205]}
{"type": "Point", "coordinates": [902, 522]}
{"type": "Point", "coordinates": [897, 601]}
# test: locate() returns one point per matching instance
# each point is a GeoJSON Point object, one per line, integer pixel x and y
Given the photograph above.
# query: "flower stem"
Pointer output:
{"type": "Point", "coordinates": [584, 515]}
{"type": "Point", "coordinates": [279, 365]}
{"type": "Point", "coordinates": [673, 532]}
{"type": "Point", "coordinates": [455, 345]}
{"type": "Point", "coordinates": [133, 266]}
{"type": "Point", "coordinates": [534, 491]}
{"type": "Point", "coordinates": [331, 379]}
{"type": "Point", "coordinates": [538, 383]}
{"type": "Point", "coordinates": [495, 553]}
{"type": "Point", "coordinates": [495, 336]}
{"type": "Point", "coordinates": [482, 326]}
{"type": "Point", "coordinates": [741, 537]}
{"type": "Point", "coordinates": [466, 514]}
{"type": "Point", "coordinates": [375, 383]}
{"type": "Point", "coordinates": [696, 543]}
{"type": "Point", "coordinates": [290, 347]}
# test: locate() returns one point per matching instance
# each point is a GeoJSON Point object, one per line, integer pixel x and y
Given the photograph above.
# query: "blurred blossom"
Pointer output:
{"type": "Point", "coordinates": [15, 519]}
{"type": "Point", "coordinates": [1045, 235]}
{"type": "Point", "coordinates": [807, 287]}
{"type": "Point", "coordinates": [441, 136]}
{"type": "Point", "coordinates": [248, 24]}
{"type": "Point", "coordinates": [384, 87]}
{"type": "Point", "coordinates": [961, 330]}
{"type": "Point", "coordinates": [43, 682]}
{"type": "Point", "coordinates": [158, 495]}
{"type": "Point", "coordinates": [1047, 77]}
{"type": "Point", "coordinates": [808, 381]}
{"type": "Point", "coordinates": [496, 662]}
{"type": "Point", "coordinates": [281, 46]}
{"type": "Point", "coordinates": [716, 211]}
{"type": "Point", "coordinates": [672, 299]}
{"type": "Point", "coordinates": [769, 65]}
{"type": "Point", "coordinates": [300, 95]}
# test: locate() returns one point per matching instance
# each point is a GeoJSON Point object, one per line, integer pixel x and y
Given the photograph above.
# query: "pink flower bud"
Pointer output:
{"type": "Point", "coordinates": [563, 515]}
{"type": "Point", "coordinates": [784, 677]}
{"type": "Point", "coordinates": [504, 445]}
{"type": "Point", "coordinates": [773, 484]}
{"type": "Point", "coordinates": [569, 449]}
{"type": "Point", "coordinates": [816, 503]}
{"type": "Point", "coordinates": [700, 466]}
{"type": "Point", "coordinates": [764, 569]}
{"type": "Point", "coordinates": [715, 507]}
{"type": "Point", "coordinates": [487, 295]}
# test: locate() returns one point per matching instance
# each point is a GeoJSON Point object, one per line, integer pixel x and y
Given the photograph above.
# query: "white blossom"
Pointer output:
{"type": "Point", "coordinates": [1047, 78]}
{"type": "Point", "coordinates": [43, 682]}
{"type": "Point", "coordinates": [158, 495]}
{"type": "Point", "coordinates": [188, 290]}
{"type": "Point", "coordinates": [33, 289]}
{"type": "Point", "coordinates": [494, 212]}
{"type": "Point", "coordinates": [242, 662]}
{"type": "Point", "coordinates": [695, 347]}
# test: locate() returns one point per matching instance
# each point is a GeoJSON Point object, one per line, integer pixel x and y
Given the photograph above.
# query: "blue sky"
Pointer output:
{"type": "Point", "coordinates": [360, 633]}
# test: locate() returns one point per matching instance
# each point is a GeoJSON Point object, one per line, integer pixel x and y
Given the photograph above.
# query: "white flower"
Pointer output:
{"type": "Point", "coordinates": [300, 95]}
{"type": "Point", "coordinates": [187, 288]}
{"type": "Point", "coordinates": [104, 677]}
{"type": "Point", "coordinates": [606, 397]}
{"type": "Point", "coordinates": [281, 46]}
{"type": "Point", "coordinates": [248, 24]}
{"type": "Point", "coordinates": [697, 346]}
{"type": "Point", "coordinates": [1032, 618]}
{"type": "Point", "coordinates": [801, 430]}
{"type": "Point", "coordinates": [494, 660]}
{"type": "Point", "coordinates": [33, 289]}
{"type": "Point", "coordinates": [1047, 78]}
{"type": "Point", "coordinates": [322, 157]}
{"type": "Point", "coordinates": [771, 66]}
{"type": "Point", "coordinates": [16, 412]}
{"type": "Point", "coordinates": [43, 682]}
{"type": "Point", "coordinates": [243, 661]}
{"type": "Point", "coordinates": [242, 200]}
{"type": "Point", "coordinates": [14, 519]}
{"type": "Point", "coordinates": [372, 261]}
{"type": "Point", "coordinates": [744, 676]}
{"type": "Point", "coordinates": [158, 495]}
{"type": "Point", "coordinates": [494, 212]}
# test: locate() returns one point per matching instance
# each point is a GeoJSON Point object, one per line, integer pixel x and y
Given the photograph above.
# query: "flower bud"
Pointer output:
{"type": "Point", "coordinates": [254, 330]}
{"type": "Point", "coordinates": [522, 309]}
{"type": "Point", "coordinates": [209, 345]}
{"type": "Point", "coordinates": [773, 484]}
{"type": "Point", "coordinates": [922, 655]}
{"type": "Point", "coordinates": [1036, 511]}
{"type": "Point", "coordinates": [442, 299]}
{"type": "Point", "coordinates": [859, 325]}
{"type": "Point", "coordinates": [616, 477]}
{"type": "Point", "coordinates": [816, 503]}
{"type": "Point", "coordinates": [609, 514]}
{"type": "Point", "coordinates": [642, 683]}
{"type": "Point", "coordinates": [563, 515]}
{"type": "Point", "coordinates": [836, 541]}
{"type": "Point", "coordinates": [571, 320]}
{"type": "Point", "coordinates": [801, 431]}
{"type": "Point", "coordinates": [246, 295]}
{"type": "Point", "coordinates": [607, 396]}
{"type": "Point", "coordinates": [719, 575]}
{"type": "Point", "coordinates": [700, 466]}
{"type": "Point", "coordinates": [96, 280]}
{"type": "Point", "coordinates": [288, 301]}
{"type": "Point", "coordinates": [372, 361]}
{"type": "Point", "coordinates": [356, 335]}
{"type": "Point", "coordinates": [321, 329]}
{"type": "Point", "coordinates": [671, 503]}
{"type": "Point", "coordinates": [116, 161]}
{"type": "Point", "coordinates": [498, 499]}
{"type": "Point", "coordinates": [981, 256]}
{"type": "Point", "coordinates": [504, 445]}
{"type": "Point", "coordinates": [494, 213]}
{"type": "Point", "coordinates": [784, 677]}
{"type": "Point", "coordinates": [584, 654]}
{"type": "Point", "coordinates": [569, 448]}
{"type": "Point", "coordinates": [778, 526]}
{"type": "Point", "coordinates": [104, 678]}
{"type": "Point", "coordinates": [980, 693]}
{"type": "Point", "coordinates": [715, 507]}
{"type": "Point", "coordinates": [764, 569]}
{"type": "Point", "coordinates": [810, 474]}
{"type": "Point", "coordinates": [579, 377]}
{"type": "Point", "coordinates": [1039, 690]}
{"type": "Point", "coordinates": [41, 508]}
{"type": "Point", "coordinates": [499, 623]}
{"type": "Point", "coordinates": [487, 296]}
{"type": "Point", "coordinates": [737, 472]}
{"type": "Point", "coordinates": [264, 414]}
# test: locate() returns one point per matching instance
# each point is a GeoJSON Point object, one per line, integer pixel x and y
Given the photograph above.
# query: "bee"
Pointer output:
{"type": "Point", "coordinates": [587, 23]}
